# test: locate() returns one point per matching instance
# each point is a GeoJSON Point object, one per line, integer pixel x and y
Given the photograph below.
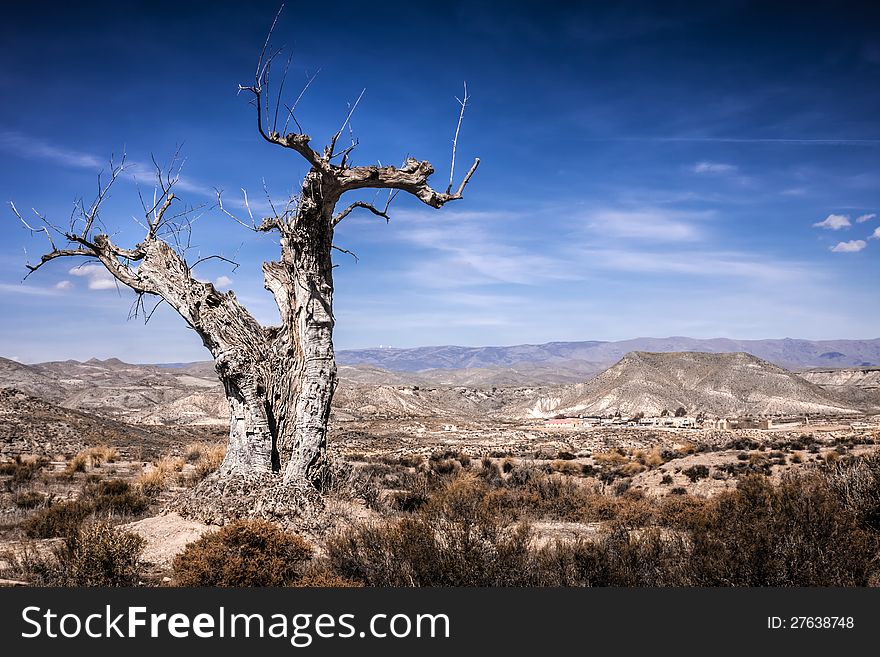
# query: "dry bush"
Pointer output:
{"type": "Point", "coordinates": [58, 519]}
{"type": "Point", "coordinates": [619, 557]}
{"type": "Point", "coordinates": [612, 458]}
{"type": "Point", "coordinates": [29, 500]}
{"type": "Point", "coordinates": [696, 472]}
{"type": "Point", "coordinates": [95, 555]}
{"type": "Point", "coordinates": [686, 448]}
{"type": "Point", "coordinates": [630, 469]}
{"type": "Point", "coordinates": [856, 483]}
{"type": "Point", "coordinates": [797, 533]}
{"type": "Point", "coordinates": [114, 496]}
{"type": "Point", "coordinates": [566, 467]}
{"type": "Point", "coordinates": [153, 481]}
{"type": "Point", "coordinates": [77, 464]}
{"type": "Point", "coordinates": [206, 457]}
{"type": "Point", "coordinates": [243, 553]}
{"type": "Point", "coordinates": [100, 454]}
{"type": "Point", "coordinates": [22, 470]}
{"type": "Point", "coordinates": [459, 538]}
{"type": "Point", "coordinates": [321, 578]}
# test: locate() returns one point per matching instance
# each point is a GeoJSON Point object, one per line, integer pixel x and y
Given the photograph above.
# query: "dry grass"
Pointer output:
{"type": "Point", "coordinates": [206, 457]}
{"type": "Point", "coordinates": [78, 463]}
{"type": "Point", "coordinates": [101, 454]}
{"type": "Point", "coordinates": [612, 458]}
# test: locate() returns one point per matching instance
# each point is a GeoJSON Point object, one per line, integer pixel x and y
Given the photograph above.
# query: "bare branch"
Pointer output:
{"type": "Point", "coordinates": [292, 108]}
{"type": "Point", "coordinates": [412, 177]}
{"type": "Point", "coordinates": [267, 224]}
{"type": "Point", "coordinates": [351, 253]}
{"type": "Point", "coordinates": [463, 103]}
{"type": "Point", "coordinates": [367, 206]}
{"type": "Point", "coordinates": [328, 152]}
{"type": "Point", "coordinates": [235, 264]}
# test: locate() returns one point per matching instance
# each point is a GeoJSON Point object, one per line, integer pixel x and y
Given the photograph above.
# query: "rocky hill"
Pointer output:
{"type": "Point", "coordinates": [859, 386]}
{"type": "Point", "coordinates": [717, 384]}
{"type": "Point", "coordinates": [714, 384]}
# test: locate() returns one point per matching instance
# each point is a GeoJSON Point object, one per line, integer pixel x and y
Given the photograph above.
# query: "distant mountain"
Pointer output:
{"type": "Point", "coordinates": [789, 353]}
{"type": "Point", "coordinates": [715, 384]}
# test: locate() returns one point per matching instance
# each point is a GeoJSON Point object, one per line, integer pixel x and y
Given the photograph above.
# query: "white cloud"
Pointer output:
{"type": "Point", "coordinates": [648, 224]}
{"type": "Point", "coordinates": [98, 278]}
{"type": "Point", "coordinates": [875, 235]}
{"type": "Point", "coordinates": [714, 167]}
{"type": "Point", "coordinates": [63, 285]}
{"type": "Point", "coordinates": [865, 217]}
{"type": "Point", "coordinates": [853, 246]}
{"type": "Point", "coordinates": [222, 282]}
{"type": "Point", "coordinates": [834, 222]}
{"type": "Point", "coordinates": [30, 290]}
{"type": "Point", "coordinates": [36, 148]}
{"type": "Point", "coordinates": [469, 249]}
{"type": "Point", "coordinates": [715, 264]}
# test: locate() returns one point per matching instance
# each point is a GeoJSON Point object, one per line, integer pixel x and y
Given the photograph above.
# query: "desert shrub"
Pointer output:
{"type": "Point", "coordinates": [565, 467]}
{"type": "Point", "coordinates": [95, 456]}
{"type": "Point", "coordinates": [856, 483]}
{"type": "Point", "coordinates": [614, 457]}
{"type": "Point", "coordinates": [153, 481]}
{"type": "Point", "coordinates": [243, 553]}
{"type": "Point", "coordinates": [444, 466]}
{"type": "Point", "coordinates": [797, 533]}
{"type": "Point", "coordinates": [564, 455]}
{"type": "Point", "coordinates": [666, 480]}
{"type": "Point", "coordinates": [77, 464]}
{"type": "Point", "coordinates": [96, 555]}
{"type": "Point", "coordinates": [325, 579]}
{"type": "Point", "coordinates": [22, 470]}
{"type": "Point", "coordinates": [459, 538]}
{"type": "Point", "coordinates": [115, 496]}
{"type": "Point", "coordinates": [696, 472]}
{"type": "Point", "coordinates": [58, 519]}
{"type": "Point", "coordinates": [408, 501]}
{"type": "Point", "coordinates": [29, 500]}
{"type": "Point", "coordinates": [209, 461]}
{"type": "Point", "coordinates": [619, 557]}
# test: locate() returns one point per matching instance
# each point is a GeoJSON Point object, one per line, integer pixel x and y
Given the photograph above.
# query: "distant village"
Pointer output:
{"type": "Point", "coordinates": [681, 420]}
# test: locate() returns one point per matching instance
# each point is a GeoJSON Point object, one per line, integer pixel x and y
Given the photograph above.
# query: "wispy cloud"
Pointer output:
{"type": "Point", "coordinates": [834, 222]}
{"type": "Point", "coordinates": [876, 234]}
{"type": "Point", "coordinates": [865, 217]}
{"type": "Point", "coordinates": [97, 277]}
{"type": "Point", "coordinates": [222, 282]}
{"type": "Point", "coordinates": [714, 167]}
{"type": "Point", "coordinates": [654, 225]}
{"type": "Point", "coordinates": [853, 246]}
{"type": "Point", "coordinates": [712, 264]}
{"type": "Point", "coordinates": [38, 149]}
{"type": "Point", "coordinates": [64, 285]}
{"type": "Point", "coordinates": [30, 290]}
{"type": "Point", "coordinates": [470, 249]}
{"type": "Point", "coordinates": [138, 172]}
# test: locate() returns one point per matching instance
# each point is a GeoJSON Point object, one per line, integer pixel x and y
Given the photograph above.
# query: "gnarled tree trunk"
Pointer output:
{"type": "Point", "coordinates": [279, 380]}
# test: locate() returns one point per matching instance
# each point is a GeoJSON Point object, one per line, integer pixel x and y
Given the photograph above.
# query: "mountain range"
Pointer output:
{"type": "Point", "coordinates": [584, 359]}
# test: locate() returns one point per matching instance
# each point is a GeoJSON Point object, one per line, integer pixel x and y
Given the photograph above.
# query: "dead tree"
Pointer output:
{"type": "Point", "coordinates": [279, 380]}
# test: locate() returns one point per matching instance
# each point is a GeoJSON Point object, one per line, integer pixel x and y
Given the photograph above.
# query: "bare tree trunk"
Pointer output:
{"type": "Point", "coordinates": [303, 377]}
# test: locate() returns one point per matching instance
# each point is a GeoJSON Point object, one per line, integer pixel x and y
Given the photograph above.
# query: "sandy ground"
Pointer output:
{"type": "Point", "coordinates": [167, 536]}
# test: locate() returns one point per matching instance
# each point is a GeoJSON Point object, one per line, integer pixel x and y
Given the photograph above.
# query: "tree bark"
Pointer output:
{"type": "Point", "coordinates": [304, 374]}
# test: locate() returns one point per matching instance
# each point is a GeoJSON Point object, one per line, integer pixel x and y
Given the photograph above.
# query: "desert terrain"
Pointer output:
{"type": "Point", "coordinates": [566, 457]}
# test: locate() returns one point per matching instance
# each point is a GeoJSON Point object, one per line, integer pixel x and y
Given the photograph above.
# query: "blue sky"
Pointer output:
{"type": "Point", "coordinates": [646, 170]}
